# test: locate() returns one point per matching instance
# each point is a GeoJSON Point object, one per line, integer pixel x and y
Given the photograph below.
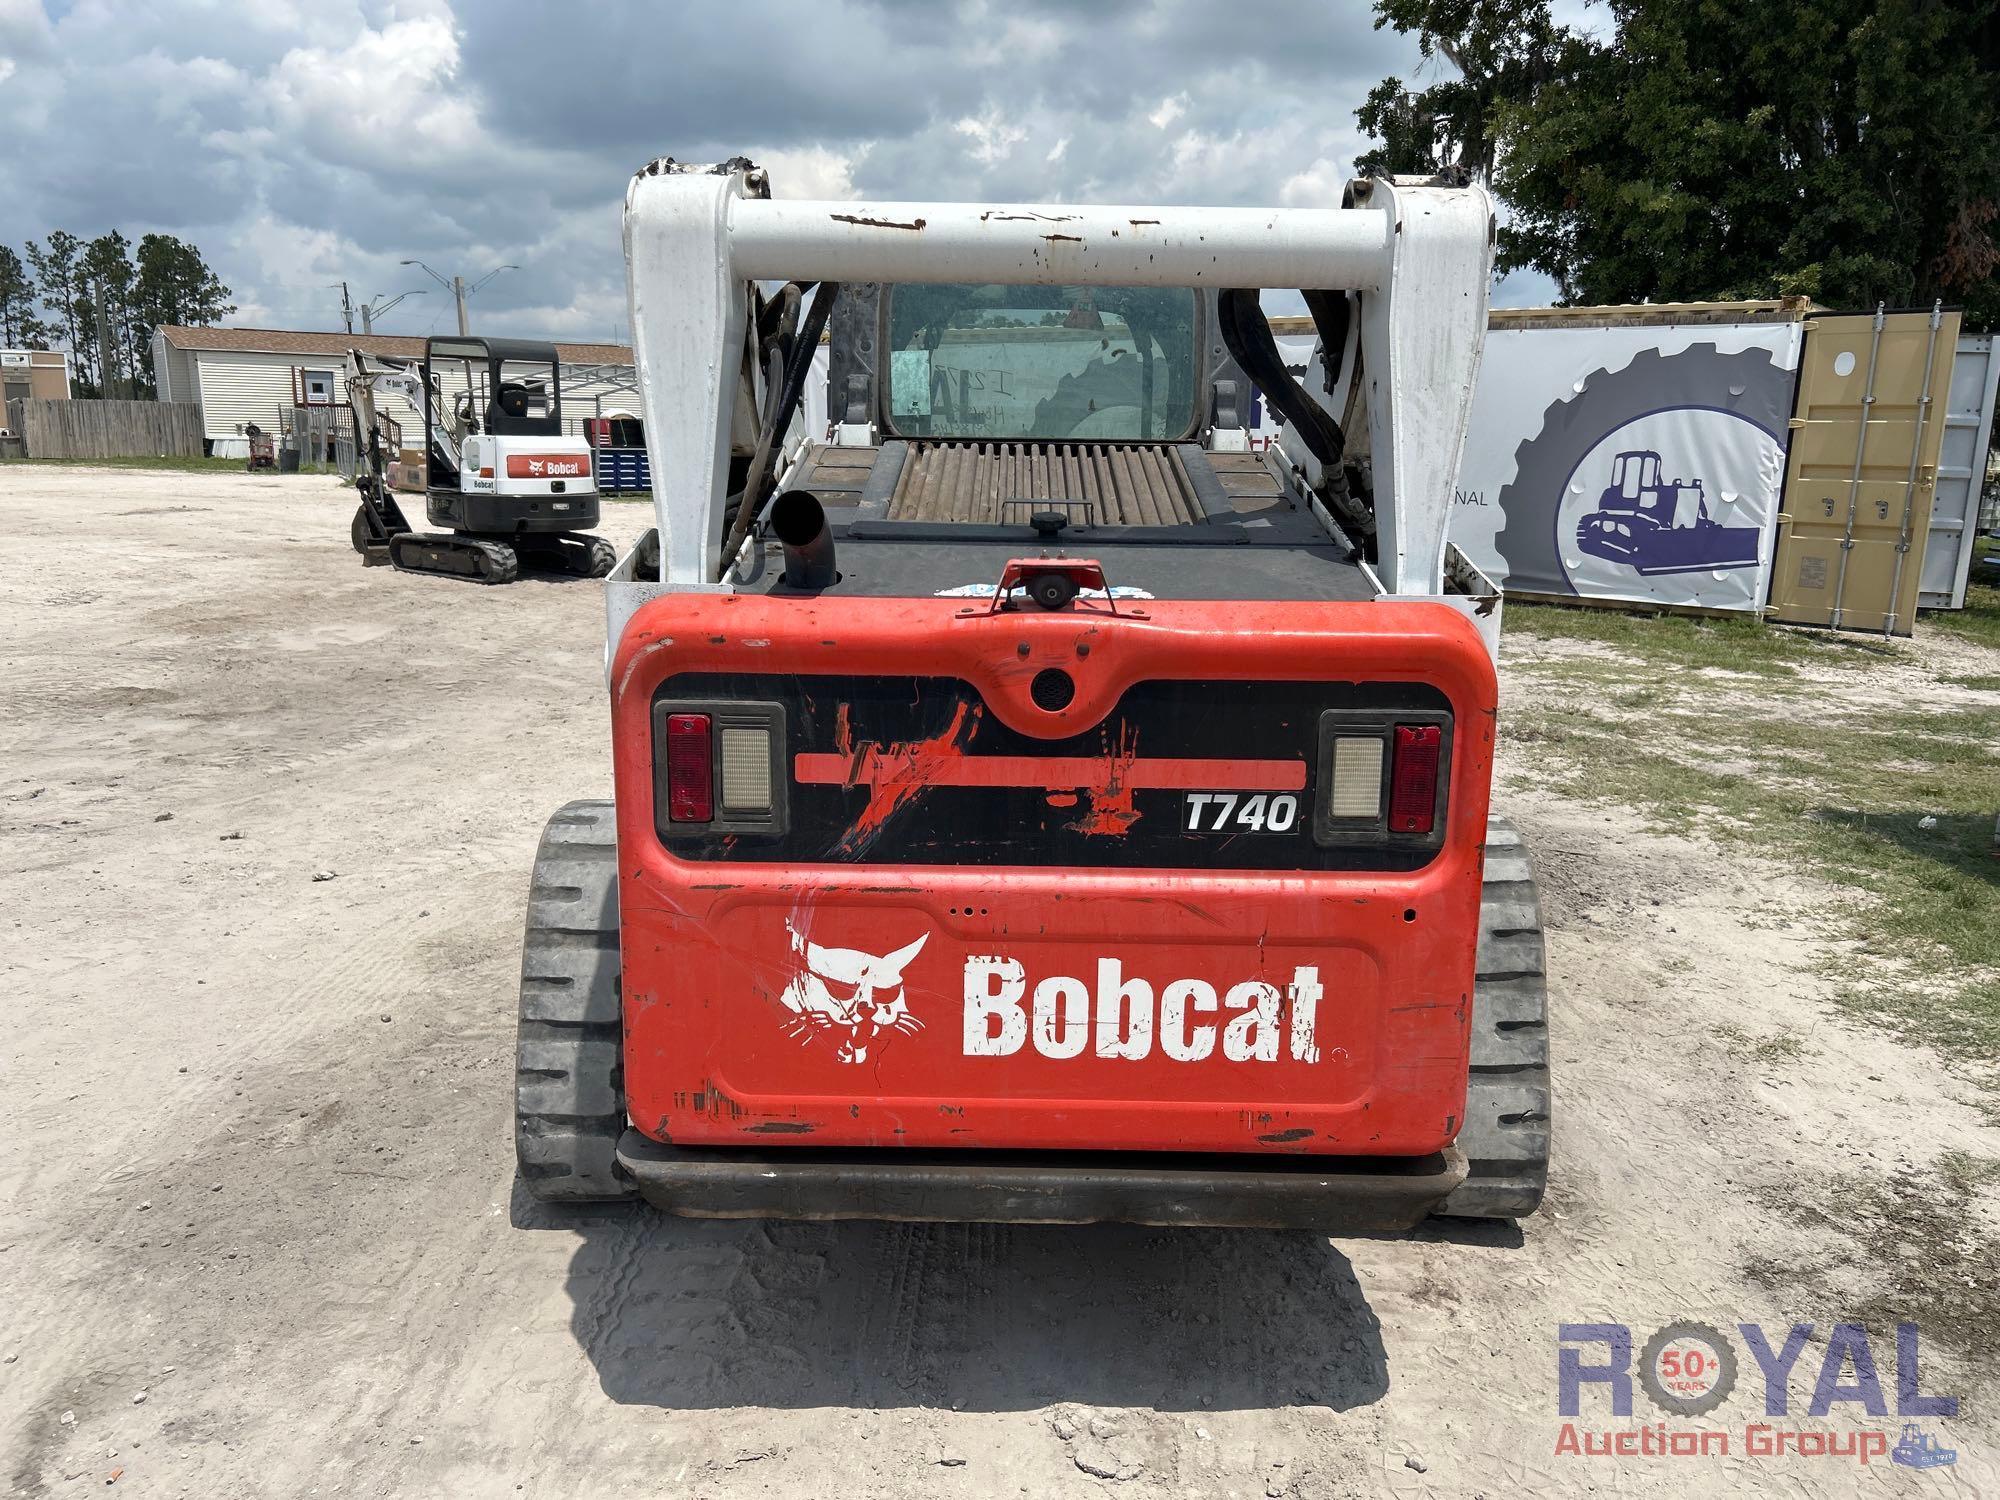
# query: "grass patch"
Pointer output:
{"type": "Point", "coordinates": [1896, 806]}
{"type": "Point", "coordinates": [170, 464]}
{"type": "Point", "coordinates": [1989, 684]}
{"type": "Point", "coordinates": [1779, 1047]}
{"type": "Point", "coordinates": [1692, 644]}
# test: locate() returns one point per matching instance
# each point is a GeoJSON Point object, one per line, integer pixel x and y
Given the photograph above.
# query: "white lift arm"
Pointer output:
{"type": "Point", "coordinates": [697, 237]}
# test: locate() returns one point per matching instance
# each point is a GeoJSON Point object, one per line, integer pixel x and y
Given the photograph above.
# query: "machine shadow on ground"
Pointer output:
{"type": "Point", "coordinates": [1964, 843]}
{"type": "Point", "coordinates": [693, 1314]}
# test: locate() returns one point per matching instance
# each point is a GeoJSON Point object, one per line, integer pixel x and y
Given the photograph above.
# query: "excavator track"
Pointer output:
{"type": "Point", "coordinates": [574, 553]}
{"type": "Point", "coordinates": [455, 556]}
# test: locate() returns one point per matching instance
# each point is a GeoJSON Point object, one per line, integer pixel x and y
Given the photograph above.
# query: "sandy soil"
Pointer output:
{"type": "Point", "coordinates": [267, 820]}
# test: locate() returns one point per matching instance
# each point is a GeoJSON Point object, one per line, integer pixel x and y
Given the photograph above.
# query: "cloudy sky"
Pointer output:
{"type": "Point", "coordinates": [302, 144]}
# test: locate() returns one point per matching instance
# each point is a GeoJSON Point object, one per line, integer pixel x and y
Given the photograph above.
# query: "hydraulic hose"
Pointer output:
{"type": "Point", "coordinates": [1331, 314]}
{"type": "Point", "coordinates": [762, 477]}
{"type": "Point", "coordinates": [1247, 335]}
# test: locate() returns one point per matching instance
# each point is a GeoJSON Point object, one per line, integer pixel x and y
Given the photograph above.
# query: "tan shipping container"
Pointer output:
{"type": "Point", "coordinates": [1862, 469]}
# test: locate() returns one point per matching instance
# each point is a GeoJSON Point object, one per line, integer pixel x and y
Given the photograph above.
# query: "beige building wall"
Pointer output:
{"type": "Point", "coordinates": [34, 375]}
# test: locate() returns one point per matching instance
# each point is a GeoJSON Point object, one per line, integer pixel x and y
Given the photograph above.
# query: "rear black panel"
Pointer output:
{"type": "Point", "coordinates": [947, 825]}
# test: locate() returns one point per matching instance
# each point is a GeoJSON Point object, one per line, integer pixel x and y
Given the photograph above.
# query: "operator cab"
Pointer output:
{"type": "Point", "coordinates": [499, 386]}
{"type": "Point", "coordinates": [500, 463]}
{"type": "Point", "coordinates": [1104, 421]}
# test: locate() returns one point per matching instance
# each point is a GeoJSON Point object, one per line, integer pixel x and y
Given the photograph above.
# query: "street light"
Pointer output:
{"type": "Point", "coordinates": [458, 289]}
{"type": "Point", "coordinates": [370, 311]}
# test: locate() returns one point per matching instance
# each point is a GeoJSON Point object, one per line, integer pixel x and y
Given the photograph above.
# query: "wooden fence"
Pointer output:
{"type": "Point", "coordinates": [106, 429]}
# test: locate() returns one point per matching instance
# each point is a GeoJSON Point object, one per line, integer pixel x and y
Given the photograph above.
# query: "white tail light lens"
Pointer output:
{"type": "Point", "coordinates": [1357, 777]}
{"type": "Point", "coordinates": [746, 770]}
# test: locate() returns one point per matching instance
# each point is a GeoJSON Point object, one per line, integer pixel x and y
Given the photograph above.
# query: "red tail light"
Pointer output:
{"type": "Point", "coordinates": [690, 774]}
{"type": "Point", "coordinates": [1413, 782]}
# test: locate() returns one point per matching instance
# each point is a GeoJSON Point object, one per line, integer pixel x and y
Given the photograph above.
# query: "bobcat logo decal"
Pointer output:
{"type": "Point", "coordinates": [848, 996]}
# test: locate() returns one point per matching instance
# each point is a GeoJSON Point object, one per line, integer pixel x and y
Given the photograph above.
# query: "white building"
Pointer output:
{"type": "Point", "coordinates": [241, 376]}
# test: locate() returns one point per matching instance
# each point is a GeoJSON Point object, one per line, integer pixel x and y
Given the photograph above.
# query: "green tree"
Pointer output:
{"type": "Point", "coordinates": [19, 327]}
{"type": "Point", "coordinates": [176, 286]}
{"type": "Point", "coordinates": [1498, 51]}
{"type": "Point", "coordinates": [57, 264]}
{"type": "Point", "coordinates": [1848, 150]}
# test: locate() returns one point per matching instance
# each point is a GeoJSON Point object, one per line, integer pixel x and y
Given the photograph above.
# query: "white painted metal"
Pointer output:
{"type": "Point", "coordinates": [1042, 244]}
{"type": "Point", "coordinates": [1968, 430]}
{"type": "Point", "coordinates": [1420, 341]}
{"type": "Point", "coordinates": [689, 312]}
{"type": "Point", "coordinates": [697, 237]}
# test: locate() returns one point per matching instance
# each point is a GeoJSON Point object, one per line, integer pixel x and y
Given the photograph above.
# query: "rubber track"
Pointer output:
{"type": "Point", "coordinates": [1508, 1098]}
{"type": "Point", "coordinates": [569, 1084]}
{"type": "Point", "coordinates": [574, 553]}
{"type": "Point", "coordinates": [424, 552]}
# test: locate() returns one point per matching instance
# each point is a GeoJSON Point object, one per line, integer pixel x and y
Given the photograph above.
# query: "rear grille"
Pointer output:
{"type": "Point", "coordinates": [1105, 484]}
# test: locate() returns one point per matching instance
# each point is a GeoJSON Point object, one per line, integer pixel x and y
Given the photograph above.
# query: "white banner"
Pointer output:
{"type": "Point", "coordinates": [1643, 464]}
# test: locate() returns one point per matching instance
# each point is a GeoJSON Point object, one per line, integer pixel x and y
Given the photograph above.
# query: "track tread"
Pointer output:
{"type": "Point", "coordinates": [1505, 1136]}
{"type": "Point", "coordinates": [481, 560]}
{"type": "Point", "coordinates": [569, 1095]}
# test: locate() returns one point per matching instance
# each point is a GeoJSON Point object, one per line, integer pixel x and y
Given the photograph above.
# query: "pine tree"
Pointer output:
{"type": "Point", "coordinates": [19, 327]}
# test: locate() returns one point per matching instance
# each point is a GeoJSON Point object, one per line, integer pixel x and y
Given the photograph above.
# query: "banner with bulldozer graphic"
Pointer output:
{"type": "Point", "coordinates": [1616, 455]}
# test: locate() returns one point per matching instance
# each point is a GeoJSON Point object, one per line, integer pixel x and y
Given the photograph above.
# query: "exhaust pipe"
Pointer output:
{"type": "Point", "coordinates": [798, 521]}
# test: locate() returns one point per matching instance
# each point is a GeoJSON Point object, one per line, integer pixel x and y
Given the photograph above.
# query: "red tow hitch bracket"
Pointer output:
{"type": "Point", "coordinates": [1051, 582]}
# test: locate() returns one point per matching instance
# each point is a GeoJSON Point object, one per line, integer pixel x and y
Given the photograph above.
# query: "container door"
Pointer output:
{"type": "Point", "coordinates": [1968, 428]}
{"type": "Point", "coordinates": [1858, 494]}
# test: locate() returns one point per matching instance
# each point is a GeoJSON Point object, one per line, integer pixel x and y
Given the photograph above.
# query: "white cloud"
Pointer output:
{"type": "Point", "coordinates": [1170, 110]}
{"type": "Point", "coordinates": [25, 30]}
{"type": "Point", "coordinates": [811, 172]}
{"type": "Point", "coordinates": [389, 98]}
{"type": "Point", "coordinates": [993, 138]}
{"type": "Point", "coordinates": [1317, 186]}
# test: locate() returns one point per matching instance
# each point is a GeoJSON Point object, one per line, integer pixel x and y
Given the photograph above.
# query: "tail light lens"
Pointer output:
{"type": "Point", "coordinates": [1357, 778]}
{"type": "Point", "coordinates": [746, 770]}
{"type": "Point", "coordinates": [690, 769]}
{"type": "Point", "coordinates": [1413, 780]}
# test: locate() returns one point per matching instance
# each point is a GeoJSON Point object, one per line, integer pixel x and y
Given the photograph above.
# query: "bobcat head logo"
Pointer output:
{"type": "Point", "coordinates": [849, 996]}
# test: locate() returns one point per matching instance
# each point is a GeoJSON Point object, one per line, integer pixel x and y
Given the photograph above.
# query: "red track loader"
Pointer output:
{"type": "Point", "coordinates": [1032, 803]}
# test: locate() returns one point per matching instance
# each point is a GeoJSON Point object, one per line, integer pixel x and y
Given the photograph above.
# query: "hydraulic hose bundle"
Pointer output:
{"type": "Point", "coordinates": [785, 350]}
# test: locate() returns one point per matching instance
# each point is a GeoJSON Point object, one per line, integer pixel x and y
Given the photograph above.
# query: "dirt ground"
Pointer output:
{"type": "Point", "coordinates": [267, 821]}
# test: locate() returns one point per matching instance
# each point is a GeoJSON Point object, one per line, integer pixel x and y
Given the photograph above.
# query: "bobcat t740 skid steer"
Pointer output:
{"type": "Point", "coordinates": [1032, 803]}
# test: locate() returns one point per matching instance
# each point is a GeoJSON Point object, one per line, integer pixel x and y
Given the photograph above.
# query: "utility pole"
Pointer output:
{"type": "Point", "coordinates": [347, 309]}
{"type": "Point", "coordinates": [459, 290]}
{"type": "Point", "coordinates": [370, 311]}
{"type": "Point", "coordinates": [104, 376]}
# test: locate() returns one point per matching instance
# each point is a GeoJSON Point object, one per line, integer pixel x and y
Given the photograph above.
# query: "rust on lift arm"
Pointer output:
{"type": "Point", "coordinates": [876, 223]}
